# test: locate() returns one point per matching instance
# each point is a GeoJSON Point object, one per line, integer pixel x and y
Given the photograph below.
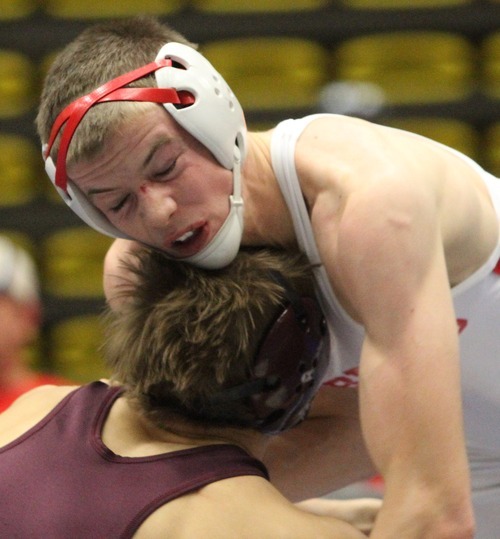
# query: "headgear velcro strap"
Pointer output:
{"type": "Point", "coordinates": [114, 90]}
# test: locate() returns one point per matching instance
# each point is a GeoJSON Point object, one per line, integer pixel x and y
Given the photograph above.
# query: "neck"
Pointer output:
{"type": "Point", "coordinates": [141, 432]}
{"type": "Point", "coordinates": [267, 219]}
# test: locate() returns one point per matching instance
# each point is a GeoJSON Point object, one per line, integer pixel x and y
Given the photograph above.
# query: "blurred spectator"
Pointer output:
{"type": "Point", "coordinates": [20, 321]}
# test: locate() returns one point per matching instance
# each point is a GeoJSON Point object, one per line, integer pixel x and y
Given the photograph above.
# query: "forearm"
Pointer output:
{"type": "Point", "coordinates": [360, 512]}
{"type": "Point", "coordinates": [413, 427]}
{"type": "Point", "coordinates": [319, 456]}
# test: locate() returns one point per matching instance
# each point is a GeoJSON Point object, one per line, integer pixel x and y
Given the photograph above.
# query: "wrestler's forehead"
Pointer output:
{"type": "Point", "coordinates": [142, 131]}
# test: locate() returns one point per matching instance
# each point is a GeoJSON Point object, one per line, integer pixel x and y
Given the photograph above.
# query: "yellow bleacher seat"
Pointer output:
{"type": "Point", "coordinates": [48, 189]}
{"type": "Point", "coordinates": [17, 9]}
{"type": "Point", "coordinates": [74, 348]}
{"type": "Point", "coordinates": [492, 150]}
{"type": "Point", "coordinates": [410, 66]}
{"type": "Point", "coordinates": [249, 6]}
{"type": "Point", "coordinates": [453, 133]}
{"type": "Point", "coordinates": [22, 239]}
{"type": "Point", "coordinates": [17, 84]}
{"type": "Point", "coordinates": [19, 166]}
{"type": "Point", "coordinates": [271, 72]}
{"type": "Point", "coordinates": [101, 9]}
{"type": "Point", "coordinates": [491, 65]}
{"type": "Point", "coordinates": [46, 62]}
{"type": "Point", "coordinates": [72, 262]}
{"type": "Point", "coordinates": [402, 4]}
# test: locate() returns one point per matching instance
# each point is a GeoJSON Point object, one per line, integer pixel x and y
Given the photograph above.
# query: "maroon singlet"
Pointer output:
{"type": "Point", "coordinates": [59, 480]}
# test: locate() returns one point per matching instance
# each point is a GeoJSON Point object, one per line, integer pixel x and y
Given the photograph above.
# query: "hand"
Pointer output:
{"type": "Point", "coordinates": [360, 512]}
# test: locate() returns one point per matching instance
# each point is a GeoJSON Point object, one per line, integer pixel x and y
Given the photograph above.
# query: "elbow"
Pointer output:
{"type": "Point", "coordinates": [456, 524]}
{"type": "Point", "coordinates": [460, 518]}
{"type": "Point", "coordinates": [466, 527]}
{"type": "Point", "coordinates": [456, 530]}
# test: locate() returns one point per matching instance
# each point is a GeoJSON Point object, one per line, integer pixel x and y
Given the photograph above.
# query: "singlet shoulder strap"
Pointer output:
{"type": "Point", "coordinates": [283, 144]}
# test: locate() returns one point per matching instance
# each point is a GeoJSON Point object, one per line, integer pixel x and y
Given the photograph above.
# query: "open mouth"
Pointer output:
{"type": "Point", "coordinates": [182, 240]}
{"type": "Point", "coordinates": [191, 241]}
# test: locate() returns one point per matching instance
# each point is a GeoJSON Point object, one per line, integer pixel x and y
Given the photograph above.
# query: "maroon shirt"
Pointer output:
{"type": "Point", "coordinates": [59, 480]}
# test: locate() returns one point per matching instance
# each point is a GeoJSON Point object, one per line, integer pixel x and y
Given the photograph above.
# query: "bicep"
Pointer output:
{"type": "Point", "coordinates": [391, 270]}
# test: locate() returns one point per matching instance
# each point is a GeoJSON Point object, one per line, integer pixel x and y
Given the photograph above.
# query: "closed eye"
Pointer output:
{"type": "Point", "coordinates": [117, 207]}
{"type": "Point", "coordinates": [161, 175]}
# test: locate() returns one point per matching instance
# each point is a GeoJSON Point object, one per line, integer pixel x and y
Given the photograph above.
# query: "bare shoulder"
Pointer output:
{"type": "Point", "coordinates": [348, 135]}
{"type": "Point", "coordinates": [244, 507]}
{"type": "Point", "coordinates": [29, 409]}
{"type": "Point", "coordinates": [358, 176]}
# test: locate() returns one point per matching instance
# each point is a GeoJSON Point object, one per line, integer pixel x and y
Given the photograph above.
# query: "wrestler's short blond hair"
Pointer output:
{"type": "Point", "coordinates": [185, 333]}
{"type": "Point", "coordinates": [100, 53]}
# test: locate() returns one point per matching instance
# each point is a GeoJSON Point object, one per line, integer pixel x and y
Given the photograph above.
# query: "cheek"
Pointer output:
{"type": "Point", "coordinates": [216, 185]}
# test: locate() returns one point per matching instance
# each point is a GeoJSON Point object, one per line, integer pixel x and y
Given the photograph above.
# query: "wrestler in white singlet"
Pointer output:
{"type": "Point", "coordinates": [477, 307]}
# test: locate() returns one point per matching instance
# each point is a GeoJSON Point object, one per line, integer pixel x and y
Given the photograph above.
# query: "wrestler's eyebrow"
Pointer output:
{"type": "Point", "coordinates": [162, 141]}
{"type": "Point", "coordinates": [158, 144]}
{"type": "Point", "coordinates": [98, 191]}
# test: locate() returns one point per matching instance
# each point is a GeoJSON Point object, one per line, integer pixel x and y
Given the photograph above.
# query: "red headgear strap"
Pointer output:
{"type": "Point", "coordinates": [113, 90]}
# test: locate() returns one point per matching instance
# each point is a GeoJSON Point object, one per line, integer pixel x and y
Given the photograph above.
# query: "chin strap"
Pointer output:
{"type": "Point", "coordinates": [225, 245]}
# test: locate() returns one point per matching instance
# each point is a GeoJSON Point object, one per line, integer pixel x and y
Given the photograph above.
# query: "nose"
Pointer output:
{"type": "Point", "coordinates": [156, 205]}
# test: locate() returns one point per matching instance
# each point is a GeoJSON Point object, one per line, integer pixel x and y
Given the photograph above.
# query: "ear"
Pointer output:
{"type": "Point", "coordinates": [115, 275]}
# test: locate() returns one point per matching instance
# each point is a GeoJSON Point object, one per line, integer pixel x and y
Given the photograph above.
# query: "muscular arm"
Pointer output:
{"type": "Point", "coordinates": [360, 512]}
{"type": "Point", "coordinates": [391, 274]}
{"type": "Point", "coordinates": [325, 452]}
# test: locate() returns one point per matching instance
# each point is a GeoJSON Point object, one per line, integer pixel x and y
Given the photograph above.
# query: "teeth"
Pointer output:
{"type": "Point", "coordinates": [184, 237]}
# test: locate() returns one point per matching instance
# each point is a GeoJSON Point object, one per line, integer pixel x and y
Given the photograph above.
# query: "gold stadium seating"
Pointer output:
{"type": "Point", "coordinates": [17, 84]}
{"type": "Point", "coordinates": [100, 9]}
{"type": "Point", "coordinates": [19, 165]}
{"type": "Point", "coordinates": [491, 65]}
{"type": "Point", "coordinates": [492, 157]}
{"type": "Point", "coordinates": [72, 262]}
{"type": "Point", "coordinates": [17, 9]}
{"type": "Point", "coordinates": [409, 66]}
{"type": "Point", "coordinates": [271, 72]}
{"type": "Point", "coordinates": [398, 4]}
{"type": "Point", "coordinates": [249, 6]}
{"type": "Point", "coordinates": [75, 348]}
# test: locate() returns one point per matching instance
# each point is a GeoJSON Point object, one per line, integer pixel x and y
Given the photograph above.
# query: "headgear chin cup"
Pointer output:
{"type": "Point", "coordinates": [213, 116]}
{"type": "Point", "coordinates": [225, 245]}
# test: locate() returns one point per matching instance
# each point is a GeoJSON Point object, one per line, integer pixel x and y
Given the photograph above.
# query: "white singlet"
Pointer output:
{"type": "Point", "coordinates": [477, 308]}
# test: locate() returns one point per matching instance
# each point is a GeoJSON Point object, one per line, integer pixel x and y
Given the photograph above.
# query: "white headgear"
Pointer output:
{"type": "Point", "coordinates": [198, 99]}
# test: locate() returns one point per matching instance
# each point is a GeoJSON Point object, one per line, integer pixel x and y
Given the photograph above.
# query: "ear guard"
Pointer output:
{"type": "Point", "coordinates": [288, 369]}
{"type": "Point", "coordinates": [198, 98]}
